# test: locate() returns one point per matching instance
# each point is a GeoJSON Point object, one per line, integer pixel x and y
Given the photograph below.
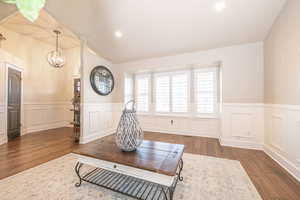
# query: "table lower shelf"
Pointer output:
{"type": "Point", "coordinates": [127, 185]}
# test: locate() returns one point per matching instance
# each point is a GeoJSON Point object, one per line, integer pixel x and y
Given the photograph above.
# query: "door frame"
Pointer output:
{"type": "Point", "coordinates": [21, 70]}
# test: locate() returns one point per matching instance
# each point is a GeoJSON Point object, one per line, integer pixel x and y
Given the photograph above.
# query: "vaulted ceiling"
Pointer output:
{"type": "Point", "coordinates": [153, 28]}
{"type": "Point", "coordinates": [41, 29]}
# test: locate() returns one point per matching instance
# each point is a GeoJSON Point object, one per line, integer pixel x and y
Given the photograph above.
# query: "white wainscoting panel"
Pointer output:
{"type": "Point", "coordinates": [277, 132]}
{"type": "Point", "coordinates": [97, 121]}
{"type": "Point", "coordinates": [181, 125]}
{"type": "Point", "coordinates": [38, 117]}
{"type": "Point", "coordinates": [282, 136]}
{"type": "Point", "coordinates": [3, 137]}
{"type": "Point", "coordinates": [242, 125]}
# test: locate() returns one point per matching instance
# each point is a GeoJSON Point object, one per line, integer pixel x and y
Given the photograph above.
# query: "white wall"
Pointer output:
{"type": "Point", "coordinates": [242, 70]}
{"type": "Point", "coordinates": [97, 120]}
{"type": "Point", "coordinates": [242, 91]}
{"type": "Point", "coordinates": [282, 89]}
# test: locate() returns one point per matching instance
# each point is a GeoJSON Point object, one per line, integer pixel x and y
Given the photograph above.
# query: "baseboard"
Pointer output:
{"type": "Point", "coordinates": [44, 127]}
{"type": "Point", "coordinates": [178, 133]}
{"type": "Point", "coordinates": [95, 136]}
{"type": "Point", "coordinates": [240, 144]}
{"type": "Point", "coordinates": [283, 162]}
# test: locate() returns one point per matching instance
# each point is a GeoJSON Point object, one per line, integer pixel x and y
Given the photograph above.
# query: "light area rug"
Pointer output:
{"type": "Point", "coordinates": [205, 178]}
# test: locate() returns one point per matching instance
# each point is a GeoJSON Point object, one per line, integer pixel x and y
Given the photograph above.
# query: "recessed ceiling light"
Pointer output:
{"type": "Point", "coordinates": [220, 6]}
{"type": "Point", "coordinates": [118, 34]}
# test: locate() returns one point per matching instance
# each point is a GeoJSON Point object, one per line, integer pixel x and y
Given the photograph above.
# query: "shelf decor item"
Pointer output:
{"type": "Point", "coordinates": [129, 134]}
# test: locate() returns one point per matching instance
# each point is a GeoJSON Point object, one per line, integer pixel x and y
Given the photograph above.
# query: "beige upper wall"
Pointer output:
{"type": "Point", "coordinates": [41, 82]}
{"type": "Point", "coordinates": [282, 57]}
{"type": "Point", "coordinates": [242, 70]}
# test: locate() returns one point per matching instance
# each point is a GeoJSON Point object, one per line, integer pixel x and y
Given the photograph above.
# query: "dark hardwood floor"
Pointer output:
{"type": "Point", "coordinates": [34, 149]}
{"type": "Point", "coordinates": [270, 179]}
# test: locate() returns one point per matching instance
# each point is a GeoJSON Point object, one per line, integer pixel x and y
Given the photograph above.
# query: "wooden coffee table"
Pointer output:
{"type": "Point", "coordinates": [151, 172]}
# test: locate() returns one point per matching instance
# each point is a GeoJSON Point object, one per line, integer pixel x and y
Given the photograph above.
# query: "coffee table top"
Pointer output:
{"type": "Point", "coordinates": [159, 157]}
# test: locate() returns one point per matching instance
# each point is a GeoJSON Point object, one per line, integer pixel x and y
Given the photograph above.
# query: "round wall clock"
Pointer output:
{"type": "Point", "coordinates": [102, 80]}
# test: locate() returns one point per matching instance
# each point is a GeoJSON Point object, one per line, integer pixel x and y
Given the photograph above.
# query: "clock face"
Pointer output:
{"type": "Point", "coordinates": [102, 80]}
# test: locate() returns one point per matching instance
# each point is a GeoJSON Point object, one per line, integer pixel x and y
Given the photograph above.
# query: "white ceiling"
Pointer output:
{"type": "Point", "coordinates": [153, 28]}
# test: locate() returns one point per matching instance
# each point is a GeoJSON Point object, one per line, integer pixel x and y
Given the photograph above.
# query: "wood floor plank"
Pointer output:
{"type": "Point", "coordinates": [270, 179]}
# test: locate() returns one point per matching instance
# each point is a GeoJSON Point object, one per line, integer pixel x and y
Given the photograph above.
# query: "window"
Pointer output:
{"type": "Point", "coordinates": [171, 92]}
{"type": "Point", "coordinates": [188, 92]}
{"type": "Point", "coordinates": [128, 88]}
{"type": "Point", "coordinates": [142, 92]}
{"type": "Point", "coordinates": [205, 90]}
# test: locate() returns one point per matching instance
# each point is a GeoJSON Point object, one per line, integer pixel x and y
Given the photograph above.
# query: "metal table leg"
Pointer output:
{"type": "Point", "coordinates": [77, 169]}
{"type": "Point", "coordinates": [180, 169]}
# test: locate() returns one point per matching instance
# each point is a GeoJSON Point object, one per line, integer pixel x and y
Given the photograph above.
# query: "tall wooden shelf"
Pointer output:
{"type": "Point", "coordinates": [76, 109]}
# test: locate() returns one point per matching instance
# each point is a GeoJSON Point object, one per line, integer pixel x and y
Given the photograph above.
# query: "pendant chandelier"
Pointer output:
{"type": "Point", "coordinates": [56, 58]}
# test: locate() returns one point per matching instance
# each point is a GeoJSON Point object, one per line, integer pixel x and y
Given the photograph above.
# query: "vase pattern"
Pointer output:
{"type": "Point", "coordinates": [129, 134]}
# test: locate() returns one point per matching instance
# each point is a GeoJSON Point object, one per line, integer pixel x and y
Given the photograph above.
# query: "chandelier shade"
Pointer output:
{"type": "Point", "coordinates": [56, 58]}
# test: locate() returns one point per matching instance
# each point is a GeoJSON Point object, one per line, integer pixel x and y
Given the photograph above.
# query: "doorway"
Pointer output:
{"type": "Point", "coordinates": [13, 103]}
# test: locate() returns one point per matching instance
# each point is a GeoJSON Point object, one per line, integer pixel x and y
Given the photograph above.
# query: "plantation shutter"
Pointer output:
{"type": "Point", "coordinates": [142, 93]}
{"type": "Point", "coordinates": [180, 92]}
{"type": "Point", "coordinates": [205, 90]}
{"type": "Point", "coordinates": [162, 93]}
{"type": "Point", "coordinates": [128, 89]}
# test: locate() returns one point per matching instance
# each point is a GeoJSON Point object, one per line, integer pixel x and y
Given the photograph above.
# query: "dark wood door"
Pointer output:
{"type": "Point", "coordinates": [14, 104]}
